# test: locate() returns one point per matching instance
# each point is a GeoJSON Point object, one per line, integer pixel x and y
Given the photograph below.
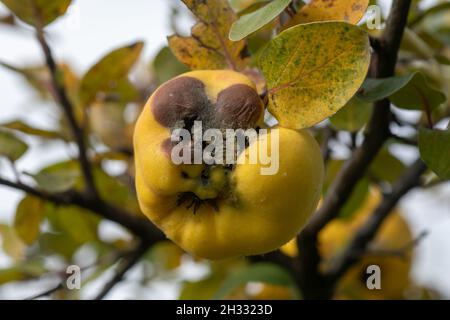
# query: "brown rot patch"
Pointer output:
{"type": "Point", "coordinates": [181, 99]}
{"type": "Point", "coordinates": [238, 106]}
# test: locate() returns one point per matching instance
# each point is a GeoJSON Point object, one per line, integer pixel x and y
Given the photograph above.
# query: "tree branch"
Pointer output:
{"type": "Point", "coordinates": [60, 95]}
{"type": "Point", "coordinates": [407, 181]}
{"type": "Point", "coordinates": [141, 227]}
{"type": "Point", "coordinates": [124, 266]}
{"type": "Point", "coordinates": [312, 283]}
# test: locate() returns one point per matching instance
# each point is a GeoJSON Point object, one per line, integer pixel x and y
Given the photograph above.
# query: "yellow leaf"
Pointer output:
{"type": "Point", "coordinates": [37, 12]}
{"type": "Point", "coordinates": [350, 11]}
{"type": "Point", "coordinates": [312, 70]}
{"type": "Point", "coordinates": [209, 46]}
{"type": "Point", "coordinates": [12, 245]}
{"type": "Point", "coordinates": [29, 214]}
{"type": "Point", "coordinates": [109, 74]}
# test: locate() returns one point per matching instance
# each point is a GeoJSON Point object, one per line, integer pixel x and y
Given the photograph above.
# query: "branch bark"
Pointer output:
{"type": "Point", "coordinates": [60, 95]}
{"type": "Point", "coordinates": [313, 284]}
{"type": "Point", "coordinates": [407, 181]}
{"type": "Point", "coordinates": [124, 266]}
{"type": "Point", "coordinates": [140, 227]}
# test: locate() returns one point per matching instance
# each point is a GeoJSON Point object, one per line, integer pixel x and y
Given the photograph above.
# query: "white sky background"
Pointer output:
{"type": "Point", "coordinates": [92, 29]}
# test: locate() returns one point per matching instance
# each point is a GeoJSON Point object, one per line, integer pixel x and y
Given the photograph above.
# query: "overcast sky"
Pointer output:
{"type": "Point", "coordinates": [92, 29]}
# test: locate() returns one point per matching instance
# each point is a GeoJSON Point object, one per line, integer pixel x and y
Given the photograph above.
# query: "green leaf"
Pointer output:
{"type": "Point", "coordinates": [77, 224]}
{"type": "Point", "coordinates": [418, 95]}
{"type": "Point", "coordinates": [313, 70]}
{"type": "Point", "coordinates": [166, 66]}
{"type": "Point", "coordinates": [57, 243]}
{"type": "Point", "coordinates": [209, 46]}
{"type": "Point", "coordinates": [353, 116]}
{"type": "Point", "coordinates": [377, 89]}
{"type": "Point", "coordinates": [11, 147]}
{"type": "Point", "coordinates": [56, 180]}
{"type": "Point", "coordinates": [110, 73]}
{"type": "Point", "coordinates": [249, 23]}
{"type": "Point", "coordinates": [28, 218]}
{"type": "Point", "coordinates": [11, 243]}
{"type": "Point", "coordinates": [434, 147]}
{"type": "Point", "coordinates": [30, 130]}
{"type": "Point", "coordinates": [260, 272]}
{"type": "Point", "coordinates": [37, 12]}
{"type": "Point", "coordinates": [386, 167]}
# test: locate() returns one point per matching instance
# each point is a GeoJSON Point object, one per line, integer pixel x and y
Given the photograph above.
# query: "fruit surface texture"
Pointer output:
{"type": "Point", "coordinates": [219, 211]}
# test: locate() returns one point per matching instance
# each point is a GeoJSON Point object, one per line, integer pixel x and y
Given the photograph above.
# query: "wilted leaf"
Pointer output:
{"type": "Point", "coordinates": [28, 218]}
{"type": "Point", "coordinates": [386, 167]}
{"type": "Point", "coordinates": [108, 73]}
{"type": "Point", "coordinates": [253, 21]}
{"type": "Point", "coordinates": [165, 66]}
{"type": "Point", "coordinates": [209, 46]}
{"type": "Point", "coordinates": [260, 272]}
{"type": "Point", "coordinates": [325, 10]}
{"type": "Point", "coordinates": [377, 89]}
{"type": "Point", "coordinates": [353, 116]}
{"type": "Point", "coordinates": [57, 180]}
{"type": "Point", "coordinates": [418, 95]}
{"type": "Point", "coordinates": [311, 74]}
{"type": "Point", "coordinates": [26, 128]}
{"type": "Point", "coordinates": [11, 243]}
{"type": "Point", "coordinates": [11, 147]}
{"type": "Point", "coordinates": [434, 146]}
{"type": "Point", "coordinates": [37, 12]}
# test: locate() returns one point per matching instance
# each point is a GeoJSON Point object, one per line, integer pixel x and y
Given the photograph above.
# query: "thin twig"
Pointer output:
{"type": "Point", "coordinates": [48, 292]}
{"type": "Point", "coordinates": [407, 181]}
{"type": "Point", "coordinates": [60, 95]}
{"type": "Point", "coordinates": [141, 227]}
{"type": "Point", "coordinates": [124, 266]}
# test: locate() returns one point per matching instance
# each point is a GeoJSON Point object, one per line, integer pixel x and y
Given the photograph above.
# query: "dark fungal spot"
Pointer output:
{"type": "Point", "coordinates": [181, 99]}
{"type": "Point", "coordinates": [238, 106]}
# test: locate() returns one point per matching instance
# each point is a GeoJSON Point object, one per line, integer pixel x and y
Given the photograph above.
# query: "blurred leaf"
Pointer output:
{"type": "Point", "coordinates": [57, 243]}
{"type": "Point", "coordinates": [78, 224]}
{"type": "Point", "coordinates": [418, 95]}
{"type": "Point", "coordinates": [30, 130]}
{"type": "Point", "coordinates": [11, 243]}
{"type": "Point", "coordinates": [11, 274]}
{"type": "Point", "coordinates": [249, 23]}
{"type": "Point", "coordinates": [109, 74]}
{"type": "Point", "coordinates": [209, 46]}
{"type": "Point", "coordinates": [35, 76]}
{"type": "Point", "coordinates": [56, 180]}
{"type": "Point", "coordinates": [165, 255]}
{"type": "Point", "coordinates": [37, 12]}
{"type": "Point", "coordinates": [320, 78]}
{"type": "Point", "coordinates": [8, 20]}
{"type": "Point", "coordinates": [351, 11]}
{"type": "Point", "coordinates": [358, 195]}
{"type": "Point", "coordinates": [166, 66]}
{"type": "Point", "coordinates": [108, 123]}
{"type": "Point", "coordinates": [386, 167]}
{"type": "Point", "coordinates": [353, 116]}
{"type": "Point", "coordinates": [203, 289]}
{"type": "Point", "coordinates": [11, 147]}
{"type": "Point", "coordinates": [413, 43]}
{"type": "Point", "coordinates": [443, 59]}
{"type": "Point", "coordinates": [434, 146]}
{"type": "Point", "coordinates": [28, 218]}
{"type": "Point", "coordinates": [377, 89]}
{"type": "Point", "coordinates": [260, 272]}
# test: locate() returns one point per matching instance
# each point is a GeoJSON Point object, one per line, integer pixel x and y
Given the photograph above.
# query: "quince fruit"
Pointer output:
{"type": "Point", "coordinates": [219, 211]}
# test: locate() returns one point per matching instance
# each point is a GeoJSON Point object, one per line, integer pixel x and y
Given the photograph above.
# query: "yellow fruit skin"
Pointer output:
{"type": "Point", "coordinates": [394, 234]}
{"type": "Point", "coordinates": [257, 214]}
